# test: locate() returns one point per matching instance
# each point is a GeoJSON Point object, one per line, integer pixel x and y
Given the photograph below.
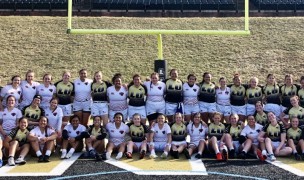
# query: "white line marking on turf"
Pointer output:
{"type": "Point", "coordinates": [56, 171]}
{"type": "Point", "coordinates": [286, 167]}
{"type": "Point", "coordinates": [198, 168]}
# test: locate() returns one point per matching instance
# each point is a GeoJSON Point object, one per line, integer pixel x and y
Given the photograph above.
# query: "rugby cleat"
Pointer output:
{"type": "Point", "coordinates": [142, 154]}
{"type": "Point", "coordinates": [260, 156]}
{"type": "Point", "coordinates": [219, 157]}
{"type": "Point", "coordinates": [225, 155]}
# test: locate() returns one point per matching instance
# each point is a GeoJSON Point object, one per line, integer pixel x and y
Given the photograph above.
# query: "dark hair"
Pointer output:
{"type": "Point", "coordinates": [9, 97]}
{"type": "Point", "coordinates": [205, 73]}
{"type": "Point", "coordinates": [20, 119]}
{"type": "Point", "coordinates": [54, 98]}
{"type": "Point", "coordinates": [97, 117]}
{"type": "Point", "coordinates": [74, 116]}
{"type": "Point", "coordinates": [191, 75]}
{"type": "Point", "coordinates": [222, 78]}
{"type": "Point", "coordinates": [156, 74]}
{"type": "Point", "coordinates": [172, 71]}
{"type": "Point", "coordinates": [119, 113]}
{"type": "Point", "coordinates": [81, 70]}
{"type": "Point", "coordinates": [117, 75]}
{"type": "Point", "coordinates": [47, 120]}
{"type": "Point", "coordinates": [15, 76]}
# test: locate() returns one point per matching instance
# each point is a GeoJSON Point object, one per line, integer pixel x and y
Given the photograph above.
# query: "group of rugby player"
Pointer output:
{"type": "Point", "coordinates": [226, 120]}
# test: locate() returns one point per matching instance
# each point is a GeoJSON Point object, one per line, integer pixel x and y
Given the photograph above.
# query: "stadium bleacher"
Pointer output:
{"type": "Point", "coordinates": [150, 5]}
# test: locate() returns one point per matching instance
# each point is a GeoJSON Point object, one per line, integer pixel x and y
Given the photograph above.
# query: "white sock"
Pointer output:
{"type": "Point", "coordinates": [38, 153]}
{"type": "Point", "coordinates": [153, 151]}
{"type": "Point", "coordinates": [48, 153]}
{"type": "Point", "coordinates": [166, 153]}
{"type": "Point", "coordinates": [264, 152]}
{"type": "Point", "coordinates": [91, 148]}
{"type": "Point", "coordinates": [295, 151]}
{"type": "Point", "coordinates": [217, 151]}
{"type": "Point", "coordinates": [119, 155]}
{"type": "Point", "coordinates": [72, 150]}
{"type": "Point", "coordinates": [64, 151]}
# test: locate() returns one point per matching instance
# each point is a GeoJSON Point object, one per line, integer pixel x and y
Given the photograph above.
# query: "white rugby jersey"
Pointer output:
{"type": "Point", "coordinates": [116, 135]}
{"type": "Point", "coordinates": [54, 117]}
{"type": "Point", "coordinates": [73, 133]}
{"type": "Point", "coordinates": [37, 132]}
{"type": "Point", "coordinates": [117, 99]}
{"type": "Point", "coordinates": [253, 133]}
{"type": "Point", "coordinates": [9, 90]}
{"type": "Point", "coordinates": [82, 90]}
{"type": "Point", "coordinates": [155, 92]}
{"type": "Point", "coordinates": [160, 135]}
{"type": "Point", "coordinates": [190, 94]}
{"type": "Point", "coordinates": [223, 96]}
{"type": "Point", "coordinates": [28, 92]}
{"type": "Point", "coordinates": [46, 93]}
{"type": "Point", "coordinates": [197, 133]}
{"type": "Point", "coordinates": [10, 118]}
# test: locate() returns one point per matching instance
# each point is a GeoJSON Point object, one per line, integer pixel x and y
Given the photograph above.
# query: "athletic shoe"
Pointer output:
{"type": "Point", "coordinates": [272, 157]}
{"type": "Point", "coordinates": [1, 163]}
{"type": "Point", "coordinates": [20, 161]}
{"type": "Point", "coordinates": [69, 154]}
{"type": "Point", "coordinates": [128, 155]}
{"type": "Point", "coordinates": [219, 157]}
{"type": "Point", "coordinates": [98, 157]}
{"type": "Point", "coordinates": [231, 154]}
{"type": "Point", "coordinates": [175, 154]}
{"type": "Point", "coordinates": [86, 154]}
{"type": "Point", "coordinates": [153, 156]}
{"type": "Point", "coordinates": [198, 156]}
{"type": "Point", "coordinates": [11, 161]}
{"type": "Point", "coordinates": [142, 154]}
{"type": "Point", "coordinates": [119, 156]}
{"type": "Point", "coordinates": [260, 156]}
{"type": "Point", "coordinates": [92, 153]}
{"type": "Point", "coordinates": [297, 156]}
{"type": "Point", "coordinates": [243, 155]}
{"type": "Point", "coordinates": [63, 155]}
{"type": "Point", "coordinates": [104, 156]}
{"type": "Point", "coordinates": [186, 153]}
{"type": "Point", "coordinates": [225, 155]}
{"type": "Point", "coordinates": [40, 159]}
{"type": "Point", "coordinates": [46, 158]}
{"type": "Point", "coordinates": [302, 156]}
{"type": "Point", "coordinates": [163, 156]}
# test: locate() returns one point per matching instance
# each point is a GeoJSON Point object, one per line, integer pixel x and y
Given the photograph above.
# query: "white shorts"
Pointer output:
{"type": "Point", "coordinates": [196, 143]}
{"type": "Point", "coordinates": [99, 108]}
{"type": "Point", "coordinates": [241, 110]}
{"type": "Point", "coordinates": [112, 113]}
{"type": "Point", "coordinates": [155, 107]}
{"type": "Point", "coordinates": [138, 144]}
{"type": "Point", "coordinates": [275, 144]}
{"type": "Point", "coordinates": [207, 107]}
{"type": "Point", "coordinates": [236, 145]}
{"type": "Point", "coordinates": [275, 108]}
{"type": "Point", "coordinates": [140, 110]}
{"type": "Point", "coordinates": [171, 108]}
{"type": "Point", "coordinates": [191, 109]}
{"type": "Point", "coordinates": [250, 109]}
{"type": "Point", "coordinates": [160, 146]}
{"type": "Point", "coordinates": [178, 143]}
{"type": "Point", "coordinates": [82, 106]}
{"type": "Point", "coordinates": [66, 109]}
{"type": "Point", "coordinates": [225, 110]}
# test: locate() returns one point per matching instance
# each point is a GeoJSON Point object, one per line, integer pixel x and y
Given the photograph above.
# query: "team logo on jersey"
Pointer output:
{"type": "Point", "coordinates": [46, 114]}
{"type": "Point", "coordinates": [41, 89]}
{"type": "Point", "coordinates": [34, 87]}
{"type": "Point", "coordinates": [51, 90]}
{"type": "Point", "coordinates": [194, 90]}
{"type": "Point", "coordinates": [11, 92]}
{"type": "Point", "coordinates": [200, 130]}
{"type": "Point", "coordinates": [86, 83]}
{"type": "Point", "coordinates": [26, 86]}
{"type": "Point", "coordinates": [121, 93]}
{"type": "Point", "coordinates": [78, 83]}
{"type": "Point", "coordinates": [112, 130]}
{"type": "Point", "coordinates": [258, 130]}
{"type": "Point", "coordinates": [19, 92]}
{"type": "Point", "coordinates": [54, 113]}
{"type": "Point", "coordinates": [13, 114]}
{"type": "Point", "coordinates": [4, 114]}
{"type": "Point", "coordinates": [159, 87]}
{"type": "Point", "coordinates": [121, 131]}
{"type": "Point", "coordinates": [163, 132]}
{"type": "Point", "coordinates": [77, 132]}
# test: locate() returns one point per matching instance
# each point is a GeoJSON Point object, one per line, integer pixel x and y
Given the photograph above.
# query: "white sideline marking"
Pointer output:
{"type": "Point", "coordinates": [56, 171]}
{"type": "Point", "coordinates": [286, 167]}
{"type": "Point", "coordinates": [198, 168]}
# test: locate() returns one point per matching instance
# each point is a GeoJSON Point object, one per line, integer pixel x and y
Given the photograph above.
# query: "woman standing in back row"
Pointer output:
{"type": "Point", "coordinates": [28, 87]}
{"type": "Point", "coordinates": [46, 90]}
{"type": "Point", "coordinates": [82, 101]}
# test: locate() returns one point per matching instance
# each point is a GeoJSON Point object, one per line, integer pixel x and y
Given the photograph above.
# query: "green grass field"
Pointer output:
{"type": "Point", "coordinates": [41, 44]}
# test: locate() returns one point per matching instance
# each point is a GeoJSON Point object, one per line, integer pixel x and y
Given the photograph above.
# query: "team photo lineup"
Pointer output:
{"type": "Point", "coordinates": [200, 117]}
